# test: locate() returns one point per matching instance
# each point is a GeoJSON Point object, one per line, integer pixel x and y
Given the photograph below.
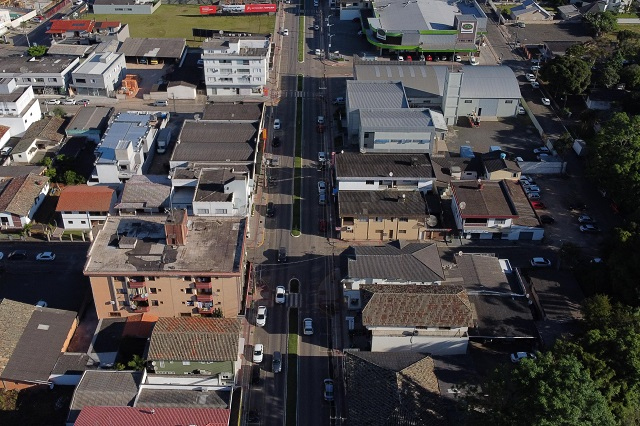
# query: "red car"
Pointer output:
{"type": "Point", "coordinates": [538, 205]}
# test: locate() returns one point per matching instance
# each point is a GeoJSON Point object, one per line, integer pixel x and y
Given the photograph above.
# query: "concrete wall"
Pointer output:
{"type": "Point", "coordinates": [126, 9]}
{"type": "Point", "coordinates": [433, 345]}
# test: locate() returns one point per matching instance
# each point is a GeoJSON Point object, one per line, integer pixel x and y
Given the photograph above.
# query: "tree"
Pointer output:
{"type": "Point", "coordinates": [551, 390]}
{"type": "Point", "coordinates": [608, 76]}
{"type": "Point", "coordinates": [602, 22]}
{"type": "Point", "coordinates": [567, 75]}
{"type": "Point", "coordinates": [562, 145]}
{"type": "Point", "coordinates": [59, 112]}
{"type": "Point", "coordinates": [137, 363]}
{"type": "Point", "coordinates": [72, 178]}
{"type": "Point", "coordinates": [630, 75]}
{"type": "Point", "coordinates": [37, 51]}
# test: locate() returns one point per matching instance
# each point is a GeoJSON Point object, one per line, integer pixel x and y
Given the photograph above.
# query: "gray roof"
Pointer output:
{"type": "Point", "coordinates": [90, 118]}
{"type": "Point", "coordinates": [207, 141]}
{"type": "Point", "coordinates": [392, 388]}
{"type": "Point", "coordinates": [45, 64]}
{"type": "Point", "coordinates": [40, 340]}
{"type": "Point", "coordinates": [249, 111]}
{"type": "Point", "coordinates": [13, 96]}
{"type": "Point", "coordinates": [211, 185]}
{"type": "Point", "coordinates": [195, 339]}
{"type": "Point", "coordinates": [489, 82]}
{"type": "Point", "coordinates": [105, 389]}
{"type": "Point", "coordinates": [145, 192]}
{"type": "Point", "coordinates": [501, 316]}
{"type": "Point", "coordinates": [153, 47]}
{"type": "Point", "coordinates": [395, 120]}
{"type": "Point", "coordinates": [403, 166]}
{"type": "Point", "coordinates": [392, 203]}
{"type": "Point", "coordinates": [418, 15]}
{"type": "Point", "coordinates": [15, 171]}
{"type": "Point", "coordinates": [406, 305]}
{"type": "Point", "coordinates": [484, 274]}
{"type": "Point", "coordinates": [419, 262]}
{"type": "Point", "coordinates": [177, 398]}
{"type": "Point", "coordinates": [489, 199]}
{"type": "Point", "coordinates": [73, 363]}
{"type": "Point", "coordinates": [69, 49]}
{"type": "Point", "coordinates": [375, 94]}
{"type": "Point", "coordinates": [414, 75]}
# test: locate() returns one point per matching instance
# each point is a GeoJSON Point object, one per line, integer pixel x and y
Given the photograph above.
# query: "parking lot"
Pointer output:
{"type": "Point", "coordinates": [60, 282]}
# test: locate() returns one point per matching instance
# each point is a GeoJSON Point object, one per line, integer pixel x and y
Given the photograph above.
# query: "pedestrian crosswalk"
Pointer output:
{"type": "Point", "coordinates": [293, 300]}
{"type": "Point", "coordinates": [298, 94]}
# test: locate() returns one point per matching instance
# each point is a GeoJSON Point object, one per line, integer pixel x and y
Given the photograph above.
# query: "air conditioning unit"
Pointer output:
{"type": "Point", "coordinates": [349, 228]}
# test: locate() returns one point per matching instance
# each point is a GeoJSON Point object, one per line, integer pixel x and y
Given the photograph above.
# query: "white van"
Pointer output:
{"type": "Point", "coordinates": [161, 103]}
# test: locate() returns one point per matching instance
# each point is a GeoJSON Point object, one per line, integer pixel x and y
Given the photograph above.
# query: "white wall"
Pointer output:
{"type": "Point", "coordinates": [425, 344]}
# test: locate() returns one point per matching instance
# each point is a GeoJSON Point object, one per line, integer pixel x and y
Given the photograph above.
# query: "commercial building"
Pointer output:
{"type": "Point", "coordinates": [126, 7]}
{"type": "Point", "coordinates": [99, 75]}
{"type": "Point", "coordinates": [160, 49]}
{"type": "Point", "coordinates": [170, 266]}
{"type": "Point", "coordinates": [236, 65]}
{"type": "Point", "coordinates": [48, 75]}
{"type": "Point", "coordinates": [89, 122]}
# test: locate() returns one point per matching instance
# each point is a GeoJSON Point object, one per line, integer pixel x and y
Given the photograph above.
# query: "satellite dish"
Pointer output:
{"type": "Point", "coordinates": [153, 363]}
{"type": "Point", "coordinates": [462, 205]}
{"type": "Point", "coordinates": [432, 221]}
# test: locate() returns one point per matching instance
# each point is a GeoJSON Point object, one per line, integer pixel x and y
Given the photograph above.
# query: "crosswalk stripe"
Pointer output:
{"type": "Point", "coordinates": [293, 301]}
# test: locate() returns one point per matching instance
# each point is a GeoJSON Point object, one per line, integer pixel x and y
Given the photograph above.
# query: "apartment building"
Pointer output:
{"type": "Point", "coordinates": [170, 266]}
{"type": "Point", "coordinates": [99, 75]}
{"type": "Point", "coordinates": [236, 65]}
{"type": "Point", "coordinates": [48, 75]}
{"type": "Point", "coordinates": [19, 108]}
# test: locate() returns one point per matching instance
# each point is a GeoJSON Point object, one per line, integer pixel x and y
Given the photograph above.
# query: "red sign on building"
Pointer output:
{"type": "Point", "coordinates": [260, 8]}
{"type": "Point", "coordinates": [208, 10]}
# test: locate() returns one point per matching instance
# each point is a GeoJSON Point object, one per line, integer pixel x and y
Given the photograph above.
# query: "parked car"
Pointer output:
{"type": "Point", "coordinates": [547, 219]}
{"type": "Point", "coordinates": [535, 84]}
{"type": "Point", "coordinates": [1, 255]}
{"type": "Point", "coordinates": [546, 101]}
{"type": "Point", "coordinates": [17, 255]}
{"type": "Point", "coordinates": [542, 150]}
{"type": "Point", "coordinates": [285, 32]}
{"type": "Point", "coordinates": [535, 68]}
{"type": "Point", "coordinates": [47, 255]}
{"type": "Point", "coordinates": [318, 52]}
{"type": "Point", "coordinates": [308, 326]}
{"type": "Point", "coordinates": [519, 356]}
{"type": "Point", "coordinates": [320, 119]}
{"type": "Point", "coordinates": [261, 316]}
{"type": "Point", "coordinates": [200, 63]}
{"type": "Point", "coordinates": [538, 205]}
{"type": "Point", "coordinates": [276, 124]}
{"type": "Point", "coordinates": [531, 188]}
{"type": "Point", "coordinates": [525, 178]}
{"type": "Point", "coordinates": [589, 228]}
{"type": "Point", "coordinates": [580, 206]}
{"type": "Point", "coordinates": [585, 218]}
{"type": "Point", "coordinates": [52, 102]}
{"type": "Point", "coordinates": [41, 304]}
{"type": "Point", "coordinates": [322, 157]}
{"type": "Point", "coordinates": [328, 390]}
{"type": "Point", "coordinates": [258, 353]}
{"type": "Point", "coordinates": [281, 295]}
{"type": "Point", "coordinates": [316, 27]}
{"type": "Point", "coordinates": [83, 102]}
{"type": "Point", "coordinates": [530, 77]}
{"type": "Point", "coordinates": [275, 142]}
{"type": "Point", "coordinates": [457, 58]}
{"type": "Point", "coordinates": [339, 101]}
{"type": "Point", "coordinates": [6, 150]}
{"type": "Point", "coordinates": [473, 60]}
{"type": "Point", "coordinates": [543, 156]}
{"type": "Point", "coordinates": [282, 255]}
{"type": "Point", "coordinates": [540, 262]}
{"type": "Point", "coordinates": [271, 210]}
{"type": "Point", "coordinates": [322, 187]}
{"type": "Point", "coordinates": [521, 111]}
{"type": "Point", "coordinates": [533, 195]}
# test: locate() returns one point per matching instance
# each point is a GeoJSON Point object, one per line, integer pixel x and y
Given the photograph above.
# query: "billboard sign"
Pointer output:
{"type": "Point", "coordinates": [381, 34]}
{"type": "Point", "coordinates": [260, 8]}
{"type": "Point", "coordinates": [208, 10]}
{"type": "Point", "coordinates": [467, 27]}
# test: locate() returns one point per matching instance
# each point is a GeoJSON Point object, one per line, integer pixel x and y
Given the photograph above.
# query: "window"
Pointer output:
{"type": "Point", "coordinates": [244, 71]}
{"type": "Point", "coordinates": [402, 231]}
{"type": "Point", "coordinates": [369, 182]}
{"type": "Point", "coordinates": [403, 219]}
{"type": "Point", "coordinates": [154, 303]}
{"type": "Point", "coordinates": [226, 80]}
{"type": "Point", "coordinates": [220, 211]}
{"type": "Point", "coordinates": [202, 211]}
{"type": "Point", "coordinates": [153, 290]}
{"type": "Point", "coordinates": [83, 222]}
{"type": "Point", "coordinates": [52, 80]}
{"type": "Point", "coordinates": [188, 290]}
{"type": "Point", "coordinates": [467, 101]}
{"type": "Point", "coordinates": [363, 219]}
{"type": "Point", "coordinates": [114, 314]}
{"type": "Point", "coordinates": [70, 222]}
{"type": "Point", "coordinates": [510, 101]}
{"type": "Point", "coordinates": [187, 278]}
{"type": "Point", "coordinates": [379, 219]}
{"type": "Point", "coordinates": [81, 80]}
{"type": "Point", "coordinates": [499, 221]}
{"type": "Point", "coordinates": [186, 362]}
{"type": "Point", "coordinates": [244, 62]}
{"type": "Point", "coordinates": [40, 80]}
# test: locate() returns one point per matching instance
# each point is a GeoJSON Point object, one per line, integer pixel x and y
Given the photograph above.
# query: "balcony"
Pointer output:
{"type": "Point", "coordinates": [204, 297]}
{"type": "Point", "coordinates": [136, 282]}
{"type": "Point", "coordinates": [140, 307]}
{"type": "Point", "coordinates": [203, 283]}
{"type": "Point", "coordinates": [141, 297]}
{"type": "Point", "coordinates": [205, 308]}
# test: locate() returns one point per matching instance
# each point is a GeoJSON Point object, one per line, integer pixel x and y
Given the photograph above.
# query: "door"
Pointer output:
{"type": "Point", "coordinates": [391, 235]}
{"type": "Point", "coordinates": [479, 112]}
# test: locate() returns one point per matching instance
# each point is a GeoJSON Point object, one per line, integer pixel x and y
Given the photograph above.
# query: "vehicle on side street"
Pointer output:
{"type": "Point", "coordinates": [538, 205]}
{"type": "Point", "coordinates": [308, 326]}
{"type": "Point", "coordinates": [339, 101]}
{"type": "Point", "coordinates": [531, 188]}
{"type": "Point", "coordinates": [322, 187]}
{"type": "Point", "coordinates": [52, 102]}
{"type": "Point", "coordinates": [271, 210]}
{"type": "Point", "coordinates": [533, 195]}
{"type": "Point", "coordinates": [542, 150]}
{"type": "Point", "coordinates": [535, 84]}
{"type": "Point", "coordinates": [17, 255]}
{"type": "Point", "coordinates": [585, 218]}
{"type": "Point", "coordinates": [530, 77]}
{"type": "Point", "coordinates": [521, 111]}
{"type": "Point", "coordinates": [261, 316]}
{"type": "Point", "coordinates": [282, 255]}
{"type": "Point", "coordinates": [47, 255]}
{"type": "Point", "coordinates": [589, 228]}
{"type": "Point", "coordinates": [83, 102]}
{"type": "Point", "coordinates": [540, 262]}
{"type": "Point", "coordinates": [281, 295]}
{"type": "Point", "coordinates": [275, 142]}
{"type": "Point", "coordinates": [276, 362]}
{"type": "Point", "coordinates": [258, 353]}
{"type": "Point", "coordinates": [41, 304]}
{"type": "Point", "coordinates": [276, 124]}
{"type": "Point", "coordinates": [473, 60]}
{"type": "Point", "coordinates": [328, 390]}
{"type": "Point", "coordinates": [525, 178]}
{"type": "Point", "coordinates": [322, 157]}
{"type": "Point", "coordinates": [535, 68]}
{"type": "Point", "coordinates": [546, 101]}
{"type": "Point", "coordinates": [285, 32]}
{"type": "Point", "coordinates": [519, 356]}
{"type": "Point", "coordinates": [6, 150]}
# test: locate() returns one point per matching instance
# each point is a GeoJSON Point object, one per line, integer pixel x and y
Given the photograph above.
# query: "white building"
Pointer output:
{"type": "Point", "coordinates": [19, 108]}
{"type": "Point", "coordinates": [47, 74]}
{"type": "Point", "coordinates": [236, 65]}
{"type": "Point", "coordinates": [125, 147]}
{"type": "Point", "coordinates": [20, 198]}
{"type": "Point", "coordinates": [82, 206]}
{"type": "Point", "coordinates": [99, 75]}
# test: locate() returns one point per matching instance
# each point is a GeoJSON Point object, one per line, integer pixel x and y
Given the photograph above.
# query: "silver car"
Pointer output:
{"type": "Point", "coordinates": [308, 326]}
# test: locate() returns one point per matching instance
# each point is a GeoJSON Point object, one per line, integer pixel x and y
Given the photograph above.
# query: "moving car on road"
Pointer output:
{"type": "Point", "coordinates": [540, 262]}
{"type": "Point", "coordinates": [308, 326]}
{"type": "Point", "coordinates": [281, 295]}
{"type": "Point", "coordinates": [328, 390]}
{"type": "Point", "coordinates": [47, 255]}
{"type": "Point", "coordinates": [276, 124]}
{"type": "Point", "coordinates": [261, 317]}
{"type": "Point", "coordinates": [258, 353]}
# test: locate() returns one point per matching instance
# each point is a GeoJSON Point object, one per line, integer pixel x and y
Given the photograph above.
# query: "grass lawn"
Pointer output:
{"type": "Point", "coordinates": [176, 21]}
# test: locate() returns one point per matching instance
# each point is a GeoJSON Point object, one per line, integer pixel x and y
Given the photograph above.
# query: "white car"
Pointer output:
{"type": "Point", "coordinates": [261, 317]}
{"type": "Point", "coordinates": [530, 77]}
{"type": "Point", "coordinates": [47, 255]}
{"type": "Point", "coordinates": [258, 353]}
{"type": "Point", "coordinates": [518, 356]}
{"type": "Point", "coordinates": [318, 52]}
{"type": "Point", "coordinates": [521, 111]}
{"type": "Point", "coordinates": [457, 58]}
{"type": "Point", "coordinates": [320, 119]}
{"type": "Point", "coordinates": [281, 295]}
{"type": "Point", "coordinates": [535, 84]}
{"type": "Point", "coordinates": [285, 32]}
{"type": "Point", "coordinates": [53, 102]}
{"type": "Point", "coordinates": [69, 101]}
{"type": "Point", "coordinates": [473, 60]}
{"type": "Point", "coordinates": [276, 124]}
{"type": "Point", "coordinates": [540, 262]}
{"type": "Point", "coordinates": [308, 326]}
{"type": "Point", "coordinates": [322, 157]}
{"type": "Point", "coordinates": [546, 101]}
{"type": "Point", "coordinates": [6, 151]}
{"type": "Point", "coordinates": [535, 68]}
{"type": "Point", "coordinates": [78, 2]}
{"type": "Point", "coordinates": [322, 187]}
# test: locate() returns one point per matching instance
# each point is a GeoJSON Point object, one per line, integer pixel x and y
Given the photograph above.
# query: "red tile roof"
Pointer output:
{"type": "Point", "coordinates": [84, 198]}
{"type": "Point", "coordinates": [3, 130]}
{"type": "Point", "coordinates": [61, 26]}
{"type": "Point", "coordinates": [127, 416]}
{"type": "Point", "coordinates": [107, 24]}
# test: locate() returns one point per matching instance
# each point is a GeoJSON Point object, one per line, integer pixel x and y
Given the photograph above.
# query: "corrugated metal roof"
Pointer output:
{"type": "Point", "coordinates": [356, 164]}
{"type": "Point", "coordinates": [375, 94]}
{"type": "Point", "coordinates": [489, 82]}
{"type": "Point", "coordinates": [403, 119]}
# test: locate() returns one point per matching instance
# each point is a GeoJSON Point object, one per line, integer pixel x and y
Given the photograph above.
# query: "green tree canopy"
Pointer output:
{"type": "Point", "coordinates": [602, 22]}
{"type": "Point", "coordinates": [37, 51]}
{"type": "Point", "coordinates": [567, 75]}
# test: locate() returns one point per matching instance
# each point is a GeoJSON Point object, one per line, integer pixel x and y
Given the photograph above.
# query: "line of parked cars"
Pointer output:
{"type": "Point", "coordinates": [22, 254]}
{"type": "Point", "coordinates": [67, 101]}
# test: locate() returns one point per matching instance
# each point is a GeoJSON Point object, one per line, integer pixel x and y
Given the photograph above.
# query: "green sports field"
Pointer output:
{"type": "Point", "coordinates": [176, 21]}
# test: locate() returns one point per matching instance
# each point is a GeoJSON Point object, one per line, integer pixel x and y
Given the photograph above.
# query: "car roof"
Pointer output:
{"type": "Point", "coordinates": [262, 308]}
{"type": "Point", "coordinates": [259, 346]}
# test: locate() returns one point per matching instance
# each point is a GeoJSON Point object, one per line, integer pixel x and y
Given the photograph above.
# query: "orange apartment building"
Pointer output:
{"type": "Point", "coordinates": [170, 266]}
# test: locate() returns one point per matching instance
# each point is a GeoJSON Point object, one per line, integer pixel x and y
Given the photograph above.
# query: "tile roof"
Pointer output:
{"type": "Point", "coordinates": [40, 340]}
{"type": "Point", "coordinates": [145, 191]}
{"type": "Point", "coordinates": [488, 200]}
{"type": "Point", "coordinates": [15, 171]}
{"type": "Point", "coordinates": [382, 203]}
{"type": "Point", "coordinates": [408, 305]}
{"type": "Point", "coordinates": [392, 388]}
{"type": "Point", "coordinates": [105, 388]}
{"type": "Point", "coordinates": [127, 416]}
{"type": "Point", "coordinates": [195, 339]}
{"type": "Point", "coordinates": [153, 47]}
{"type": "Point", "coordinates": [183, 398]}
{"type": "Point", "coordinates": [3, 130]}
{"type": "Point", "coordinates": [17, 197]}
{"type": "Point", "coordinates": [251, 111]}
{"type": "Point", "coordinates": [140, 325]}
{"type": "Point", "coordinates": [61, 26]}
{"type": "Point", "coordinates": [356, 164]}
{"type": "Point", "coordinates": [48, 129]}
{"type": "Point", "coordinates": [14, 317]}
{"type": "Point", "coordinates": [418, 262]}
{"type": "Point", "coordinates": [84, 198]}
